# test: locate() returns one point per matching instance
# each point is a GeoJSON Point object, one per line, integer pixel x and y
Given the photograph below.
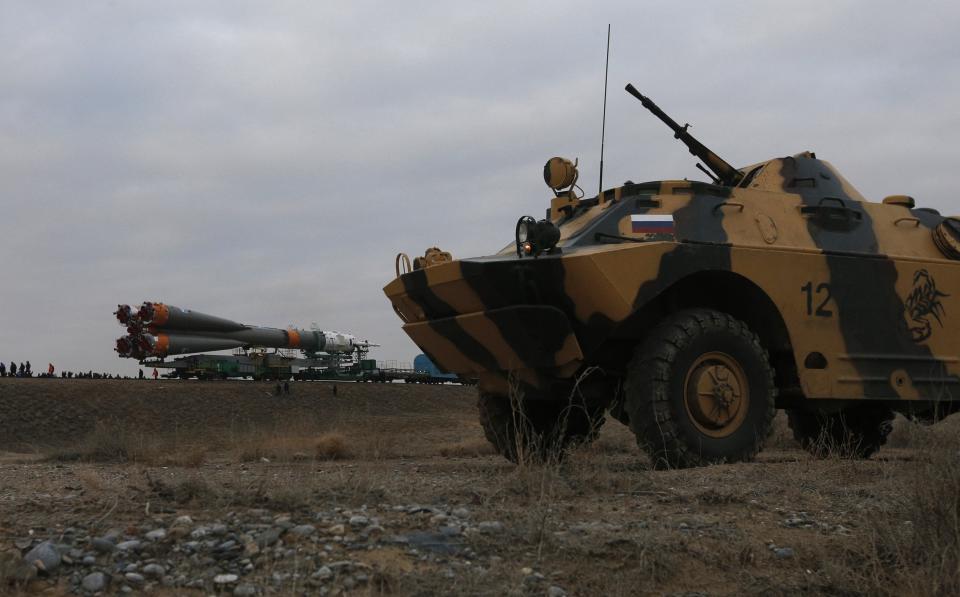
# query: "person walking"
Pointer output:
{"type": "Point", "coordinates": [141, 375]}
{"type": "Point", "coordinates": [29, 373]}
{"type": "Point", "coordinates": [50, 369]}
{"type": "Point", "coordinates": [21, 371]}
{"type": "Point", "coordinates": [3, 369]}
{"type": "Point", "coordinates": [155, 374]}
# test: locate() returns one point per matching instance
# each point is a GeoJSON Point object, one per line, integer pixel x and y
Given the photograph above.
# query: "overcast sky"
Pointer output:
{"type": "Point", "coordinates": [265, 161]}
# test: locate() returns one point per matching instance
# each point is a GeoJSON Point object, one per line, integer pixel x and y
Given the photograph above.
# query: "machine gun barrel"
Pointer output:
{"type": "Point", "coordinates": [726, 174]}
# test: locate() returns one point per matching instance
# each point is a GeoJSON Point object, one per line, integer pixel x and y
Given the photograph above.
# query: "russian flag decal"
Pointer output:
{"type": "Point", "coordinates": [651, 223]}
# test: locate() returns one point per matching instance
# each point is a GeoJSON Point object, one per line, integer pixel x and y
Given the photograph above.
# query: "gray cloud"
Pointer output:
{"type": "Point", "coordinates": [265, 162]}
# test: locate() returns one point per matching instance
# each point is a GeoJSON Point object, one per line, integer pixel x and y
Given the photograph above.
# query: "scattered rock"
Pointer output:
{"type": "Point", "coordinates": [134, 578]}
{"type": "Point", "coordinates": [783, 553]}
{"type": "Point", "coordinates": [245, 590]}
{"type": "Point", "coordinates": [534, 578]}
{"type": "Point", "coordinates": [304, 530]}
{"type": "Point", "coordinates": [154, 571]}
{"type": "Point", "coordinates": [323, 573]}
{"type": "Point", "coordinates": [45, 557]}
{"type": "Point", "coordinates": [433, 542]}
{"type": "Point", "coordinates": [450, 530]}
{"type": "Point", "coordinates": [225, 579]}
{"type": "Point", "coordinates": [359, 521]}
{"type": "Point", "coordinates": [490, 527]}
{"type": "Point", "coordinates": [218, 530]}
{"type": "Point", "coordinates": [132, 545]}
{"type": "Point", "coordinates": [555, 591]}
{"type": "Point", "coordinates": [156, 535]}
{"type": "Point", "coordinates": [268, 537]}
{"type": "Point", "coordinates": [95, 582]}
{"type": "Point", "coordinates": [798, 520]}
{"type": "Point", "coordinates": [461, 513]}
{"type": "Point", "coordinates": [102, 544]}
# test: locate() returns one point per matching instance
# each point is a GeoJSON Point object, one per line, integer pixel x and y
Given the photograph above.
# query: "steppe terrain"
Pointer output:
{"type": "Point", "coordinates": [187, 487]}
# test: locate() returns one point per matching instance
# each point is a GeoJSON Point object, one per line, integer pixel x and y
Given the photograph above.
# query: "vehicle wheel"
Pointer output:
{"type": "Point", "coordinates": [538, 430]}
{"type": "Point", "coordinates": [856, 432]}
{"type": "Point", "coordinates": [700, 390]}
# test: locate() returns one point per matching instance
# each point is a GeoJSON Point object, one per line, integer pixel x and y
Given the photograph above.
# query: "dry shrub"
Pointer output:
{"type": "Point", "coordinates": [331, 446]}
{"type": "Point", "coordinates": [90, 479]}
{"type": "Point", "coordinates": [289, 497]}
{"type": "Point", "coordinates": [906, 433]}
{"type": "Point", "coordinates": [613, 444]}
{"type": "Point", "coordinates": [192, 489]}
{"type": "Point", "coordinates": [780, 436]}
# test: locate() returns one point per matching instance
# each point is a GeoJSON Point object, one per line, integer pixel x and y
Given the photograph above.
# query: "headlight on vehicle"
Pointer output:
{"type": "Point", "coordinates": [534, 238]}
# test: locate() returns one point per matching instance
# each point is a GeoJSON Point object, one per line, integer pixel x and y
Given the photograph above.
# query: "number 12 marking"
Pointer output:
{"type": "Point", "coordinates": [822, 289]}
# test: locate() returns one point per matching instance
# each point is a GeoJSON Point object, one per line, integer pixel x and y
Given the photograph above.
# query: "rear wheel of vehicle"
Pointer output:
{"type": "Point", "coordinates": [536, 430]}
{"type": "Point", "coordinates": [699, 390]}
{"type": "Point", "coordinates": [856, 432]}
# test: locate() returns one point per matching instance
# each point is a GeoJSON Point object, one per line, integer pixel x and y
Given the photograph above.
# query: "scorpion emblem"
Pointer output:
{"type": "Point", "coordinates": [923, 302]}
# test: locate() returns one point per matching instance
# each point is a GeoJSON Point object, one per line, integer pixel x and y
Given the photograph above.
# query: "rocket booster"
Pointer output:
{"type": "Point", "coordinates": [168, 317]}
{"type": "Point", "coordinates": [159, 330]}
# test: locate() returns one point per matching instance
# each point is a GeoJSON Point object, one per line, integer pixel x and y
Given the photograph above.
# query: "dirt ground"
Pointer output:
{"type": "Point", "coordinates": [187, 487]}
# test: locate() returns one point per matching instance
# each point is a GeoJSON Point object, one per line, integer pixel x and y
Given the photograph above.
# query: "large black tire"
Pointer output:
{"type": "Point", "coordinates": [700, 390]}
{"type": "Point", "coordinates": [856, 432]}
{"type": "Point", "coordinates": [537, 430]}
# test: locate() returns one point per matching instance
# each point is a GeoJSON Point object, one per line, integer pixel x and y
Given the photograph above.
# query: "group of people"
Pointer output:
{"type": "Point", "coordinates": [91, 375]}
{"type": "Point", "coordinates": [23, 370]}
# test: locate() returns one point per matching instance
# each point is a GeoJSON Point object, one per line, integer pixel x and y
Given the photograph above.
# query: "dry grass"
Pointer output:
{"type": "Point", "coordinates": [113, 441]}
{"type": "Point", "coordinates": [914, 548]}
{"type": "Point", "coordinates": [469, 448]}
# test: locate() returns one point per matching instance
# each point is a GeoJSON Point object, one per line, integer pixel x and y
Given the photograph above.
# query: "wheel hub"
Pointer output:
{"type": "Point", "coordinates": [716, 394]}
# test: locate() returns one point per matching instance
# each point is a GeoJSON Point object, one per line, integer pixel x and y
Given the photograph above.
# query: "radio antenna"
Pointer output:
{"type": "Point", "coordinates": [603, 127]}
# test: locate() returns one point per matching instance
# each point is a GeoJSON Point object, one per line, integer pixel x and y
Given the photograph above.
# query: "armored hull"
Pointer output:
{"type": "Point", "coordinates": [849, 303]}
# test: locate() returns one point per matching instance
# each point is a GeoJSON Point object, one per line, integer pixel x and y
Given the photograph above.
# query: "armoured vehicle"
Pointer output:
{"type": "Point", "coordinates": [691, 311]}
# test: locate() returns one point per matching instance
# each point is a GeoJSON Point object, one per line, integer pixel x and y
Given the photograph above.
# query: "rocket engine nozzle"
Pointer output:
{"type": "Point", "coordinates": [123, 313]}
